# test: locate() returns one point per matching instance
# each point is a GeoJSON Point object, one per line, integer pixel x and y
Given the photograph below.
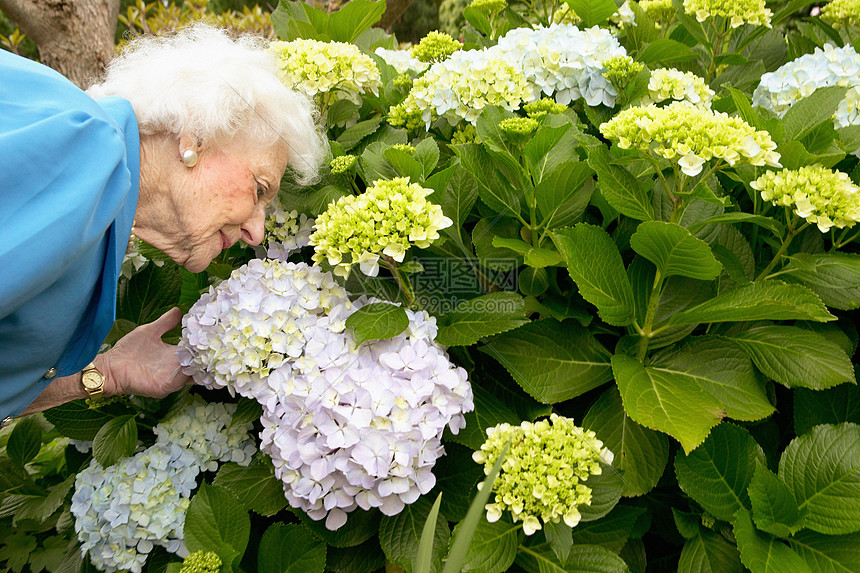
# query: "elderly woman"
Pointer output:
{"type": "Point", "coordinates": [182, 145]}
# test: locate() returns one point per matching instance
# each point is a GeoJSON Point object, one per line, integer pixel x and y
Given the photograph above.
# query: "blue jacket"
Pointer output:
{"type": "Point", "coordinates": [69, 179]}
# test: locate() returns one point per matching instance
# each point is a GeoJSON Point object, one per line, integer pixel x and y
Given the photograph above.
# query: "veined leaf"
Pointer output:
{"type": "Point", "coordinates": [216, 521]}
{"type": "Point", "coordinates": [838, 553]}
{"type": "Point", "coordinates": [666, 401]}
{"type": "Point", "coordinates": [256, 485]}
{"type": "Point", "coordinates": [675, 251]}
{"type": "Point", "coordinates": [665, 51]}
{"type": "Point", "coordinates": [596, 267]}
{"type": "Point", "coordinates": [822, 470]}
{"type": "Point", "coordinates": [485, 315]}
{"type": "Point", "coordinates": [833, 406]}
{"type": "Point", "coordinates": [399, 535]}
{"type": "Point", "coordinates": [115, 440]}
{"type": "Point", "coordinates": [563, 196]}
{"type": "Point", "coordinates": [290, 548]}
{"type": "Point", "coordinates": [612, 531]}
{"type": "Point", "coordinates": [538, 147]}
{"type": "Point", "coordinates": [493, 547]}
{"type": "Point", "coordinates": [552, 361]}
{"type": "Point", "coordinates": [718, 473]}
{"type": "Point", "coordinates": [25, 441]}
{"type": "Point", "coordinates": [835, 277]}
{"type": "Point", "coordinates": [639, 452]}
{"type": "Point", "coordinates": [493, 189]}
{"type": "Point", "coordinates": [378, 320]}
{"type": "Point", "coordinates": [772, 225]}
{"type": "Point", "coordinates": [582, 559]}
{"type": "Point", "coordinates": [619, 187]}
{"type": "Point", "coordinates": [773, 505]}
{"type": "Point", "coordinates": [812, 110]}
{"type": "Point", "coordinates": [709, 552]}
{"type": "Point", "coordinates": [763, 553]}
{"type": "Point", "coordinates": [763, 300]}
{"type": "Point", "coordinates": [593, 12]}
{"type": "Point", "coordinates": [796, 357]}
{"type": "Point", "coordinates": [489, 411]}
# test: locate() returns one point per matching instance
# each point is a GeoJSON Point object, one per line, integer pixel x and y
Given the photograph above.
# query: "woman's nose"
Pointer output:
{"type": "Point", "coordinates": [253, 230]}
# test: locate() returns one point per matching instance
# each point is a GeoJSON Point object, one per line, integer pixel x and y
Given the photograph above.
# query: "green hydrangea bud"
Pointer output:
{"type": "Point", "coordinates": [403, 81]}
{"type": "Point", "coordinates": [343, 164]}
{"type": "Point", "coordinates": [691, 136]}
{"type": "Point", "coordinates": [542, 475]}
{"type": "Point", "coordinates": [387, 219]}
{"type": "Point", "coordinates": [518, 127]}
{"type": "Point", "coordinates": [201, 562]}
{"type": "Point", "coordinates": [406, 115]}
{"type": "Point", "coordinates": [817, 194]}
{"type": "Point", "coordinates": [540, 108]}
{"type": "Point", "coordinates": [669, 83]}
{"type": "Point", "coordinates": [662, 11]}
{"type": "Point", "coordinates": [620, 70]}
{"type": "Point", "coordinates": [465, 134]}
{"type": "Point", "coordinates": [435, 47]}
{"type": "Point", "coordinates": [708, 520]}
{"type": "Point", "coordinates": [404, 147]}
{"type": "Point", "coordinates": [738, 11]}
{"type": "Point", "coordinates": [489, 7]}
{"type": "Point", "coordinates": [842, 13]}
{"type": "Point", "coordinates": [565, 15]}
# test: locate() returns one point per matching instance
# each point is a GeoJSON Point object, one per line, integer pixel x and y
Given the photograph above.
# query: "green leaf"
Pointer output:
{"type": "Point", "coordinates": [796, 357]}
{"type": "Point", "coordinates": [353, 19]}
{"type": "Point", "coordinates": [49, 556]}
{"type": "Point", "coordinates": [606, 489]}
{"type": "Point", "coordinates": [722, 370]}
{"type": "Point", "coordinates": [150, 293]}
{"type": "Point", "coordinates": [536, 257]}
{"type": "Point", "coordinates": [552, 361]}
{"type": "Point", "coordinates": [25, 441]}
{"type": "Point", "coordinates": [291, 20]}
{"type": "Point", "coordinates": [404, 163]}
{"type": "Point", "coordinates": [639, 452]}
{"type": "Point", "coordinates": [539, 146]}
{"type": "Point", "coordinates": [582, 559]}
{"type": "Point", "coordinates": [365, 558]}
{"type": "Point", "coordinates": [812, 110]}
{"type": "Point", "coordinates": [377, 321]}
{"type": "Point", "coordinates": [835, 277]}
{"type": "Point", "coordinates": [489, 411]}
{"type": "Point", "coordinates": [456, 200]}
{"type": "Point", "coordinates": [767, 300]}
{"type": "Point", "coordinates": [493, 547]}
{"type": "Point", "coordinates": [458, 553]}
{"type": "Point", "coordinates": [771, 225]}
{"type": "Point", "coordinates": [493, 188]}
{"type": "Point", "coordinates": [423, 560]}
{"type": "Point", "coordinates": [479, 317]}
{"type": "Point", "coordinates": [256, 485]}
{"type": "Point", "coordinates": [559, 535]}
{"type": "Point", "coordinates": [774, 508]}
{"type": "Point", "coordinates": [595, 265]}
{"type": "Point", "coordinates": [399, 535]}
{"type": "Point", "coordinates": [666, 51]}
{"type": "Point", "coordinates": [763, 553]}
{"type": "Point", "coordinates": [717, 473]}
{"type": "Point", "coordinates": [76, 420]}
{"type": "Point", "coordinates": [612, 531]}
{"type": "Point", "coordinates": [427, 152]}
{"type": "Point", "coordinates": [353, 134]}
{"type": "Point", "coordinates": [822, 470]}
{"type": "Point", "coordinates": [216, 521]}
{"type": "Point", "coordinates": [290, 549]}
{"type": "Point", "coordinates": [593, 12]}
{"type": "Point", "coordinates": [563, 196]}
{"type": "Point", "coordinates": [709, 552]}
{"type": "Point", "coordinates": [457, 474]}
{"type": "Point", "coordinates": [360, 526]}
{"type": "Point", "coordinates": [675, 251]}
{"type": "Point", "coordinates": [16, 550]}
{"type": "Point", "coordinates": [833, 406]}
{"type": "Point", "coordinates": [828, 553]}
{"type": "Point", "coordinates": [666, 401]}
{"type": "Point", "coordinates": [618, 186]}
{"type": "Point", "coordinates": [483, 235]}
{"type": "Point", "coordinates": [116, 440]}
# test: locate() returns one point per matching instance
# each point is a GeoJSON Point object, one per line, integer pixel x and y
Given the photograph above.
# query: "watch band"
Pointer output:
{"type": "Point", "coordinates": [93, 381]}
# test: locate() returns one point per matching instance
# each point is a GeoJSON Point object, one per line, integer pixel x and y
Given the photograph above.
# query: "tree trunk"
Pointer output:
{"type": "Point", "coordinates": [75, 37]}
{"type": "Point", "coordinates": [394, 9]}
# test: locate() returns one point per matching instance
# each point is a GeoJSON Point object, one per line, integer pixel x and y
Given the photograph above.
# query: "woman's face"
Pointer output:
{"type": "Point", "coordinates": [224, 200]}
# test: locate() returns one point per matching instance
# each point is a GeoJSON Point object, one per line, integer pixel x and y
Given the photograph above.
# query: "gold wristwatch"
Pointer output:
{"type": "Point", "coordinates": [93, 381]}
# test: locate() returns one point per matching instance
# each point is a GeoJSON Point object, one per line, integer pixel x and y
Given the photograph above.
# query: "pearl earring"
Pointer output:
{"type": "Point", "coordinates": [189, 157]}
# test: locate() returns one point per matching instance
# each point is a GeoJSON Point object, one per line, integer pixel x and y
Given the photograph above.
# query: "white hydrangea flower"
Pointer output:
{"type": "Point", "coordinates": [780, 89]}
{"type": "Point", "coordinates": [262, 316]}
{"type": "Point", "coordinates": [401, 60]}
{"type": "Point", "coordinates": [208, 432]}
{"type": "Point", "coordinates": [669, 83]}
{"type": "Point", "coordinates": [563, 61]}
{"type": "Point", "coordinates": [122, 512]}
{"type": "Point", "coordinates": [363, 429]}
{"type": "Point", "coordinates": [286, 232]}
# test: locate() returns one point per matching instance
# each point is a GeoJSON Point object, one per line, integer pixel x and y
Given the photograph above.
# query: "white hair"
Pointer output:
{"type": "Point", "coordinates": [201, 83]}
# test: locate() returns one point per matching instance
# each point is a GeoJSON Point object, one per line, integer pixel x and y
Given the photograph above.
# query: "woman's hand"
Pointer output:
{"type": "Point", "coordinates": [141, 364]}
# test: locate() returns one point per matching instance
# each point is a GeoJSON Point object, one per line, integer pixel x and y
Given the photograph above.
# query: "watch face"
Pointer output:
{"type": "Point", "coordinates": [92, 380]}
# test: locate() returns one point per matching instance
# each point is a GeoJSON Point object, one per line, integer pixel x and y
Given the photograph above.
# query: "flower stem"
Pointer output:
{"type": "Point", "coordinates": [402, 283]}
{"type": "Point", "coordinates": [646, 333]}
{"type": "Point", "coordinates": [792, 233]}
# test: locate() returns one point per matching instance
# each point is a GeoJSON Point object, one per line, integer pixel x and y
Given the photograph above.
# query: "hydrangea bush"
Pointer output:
{"type": "Point", "coordinates": [587, 268]}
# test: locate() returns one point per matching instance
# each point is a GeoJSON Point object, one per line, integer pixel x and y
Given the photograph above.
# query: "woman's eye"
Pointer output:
{"type": "Point", "coordinates": [261, 190]}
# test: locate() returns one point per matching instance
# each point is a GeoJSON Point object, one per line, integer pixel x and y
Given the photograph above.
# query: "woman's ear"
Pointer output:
{"type": "Point", "coordinates": [189, 150]}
